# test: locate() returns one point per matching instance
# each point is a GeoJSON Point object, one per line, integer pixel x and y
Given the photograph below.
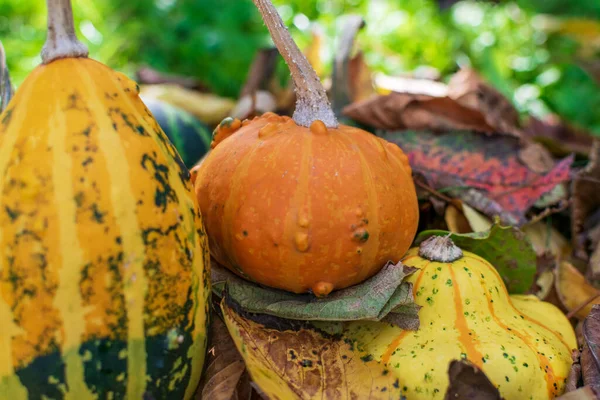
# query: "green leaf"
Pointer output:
{"type": "Point", "coordinates": [383, 297]}
{"type": "Point", "coordinates": [505, 247]}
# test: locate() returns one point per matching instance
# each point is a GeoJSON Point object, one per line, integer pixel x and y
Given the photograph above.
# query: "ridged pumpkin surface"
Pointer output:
{"type": "Point", "coordinates": [305, 208]}
{"type": "Point", "coordinates": [522, 344]}
{"type": "Point", "coordinates": [104, 260]}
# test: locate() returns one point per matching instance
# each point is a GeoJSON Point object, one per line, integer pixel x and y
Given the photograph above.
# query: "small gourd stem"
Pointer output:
{"type": "Point", "coordinates": [312, 103]}
{"type": "Point", "coordinates": [440, 249]}
{"type": "Point", "coordinates": [61, 41]}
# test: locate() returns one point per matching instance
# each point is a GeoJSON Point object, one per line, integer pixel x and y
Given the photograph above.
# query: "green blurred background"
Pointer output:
{"type": "Point", "coordinates": [542, 54]}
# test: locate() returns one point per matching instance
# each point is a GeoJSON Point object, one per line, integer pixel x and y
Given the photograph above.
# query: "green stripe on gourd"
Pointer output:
{"type": "Point", "coordinates": [189, 135]}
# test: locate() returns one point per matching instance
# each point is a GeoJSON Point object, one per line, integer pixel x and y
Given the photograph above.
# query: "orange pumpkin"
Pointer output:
{"type": "Point", "coordinates": [305, 203]}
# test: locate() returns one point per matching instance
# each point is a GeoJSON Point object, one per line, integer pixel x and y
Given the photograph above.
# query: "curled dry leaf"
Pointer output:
{"type": "Point", "coordinates": [288, 360]}
{"type": "Point", "coordinates": [468, 89]}
{"type": "Point", "coordinates": [583, 393]}
{"type": "Point", "coordinates": [584, 216]}
{"type": "Point", "coordinates": [590, 356]}
{"type": "Point", "coordinates": [536, 157]}
{"type": "Point", "coordinates": [575, 373]}
{"type": "Point", "coordinates": [484, 172]}
{"type": "Point", "coordinates": [398, 111]}
{"type": "Point", "coordinates": [559, 137]}
{"type": "Point", "coordinates": [468, 382]}
{"type": "Point", "coordinates": [574, 292]}
{"type": "Point", "coordinates": [225, 377]}
{"type": "Point", "coordinates": [465, 103]}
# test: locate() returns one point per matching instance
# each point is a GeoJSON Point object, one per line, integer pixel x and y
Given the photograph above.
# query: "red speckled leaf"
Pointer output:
{"type": "Point", "coordinates": [485, 172]}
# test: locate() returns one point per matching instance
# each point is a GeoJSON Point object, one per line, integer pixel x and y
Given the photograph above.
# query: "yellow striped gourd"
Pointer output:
{"type": "Point", "coordinates": [521, 343]}
{"type": "Point", "coordinates": [104, 260]}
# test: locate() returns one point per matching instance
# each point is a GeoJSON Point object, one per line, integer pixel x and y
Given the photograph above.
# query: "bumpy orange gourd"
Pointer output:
{"type": "Point", "coordinates": [305, 204]}
{"type": "Point", "coordinates": [306, 208]}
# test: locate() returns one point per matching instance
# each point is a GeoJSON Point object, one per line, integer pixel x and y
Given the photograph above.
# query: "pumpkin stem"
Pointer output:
{"type": "Point", "coordinates": [441, 249]}
{"type": "Point", "coordinates": [312, 103]}
{"type": "Point", "coordinates": [61, 41]}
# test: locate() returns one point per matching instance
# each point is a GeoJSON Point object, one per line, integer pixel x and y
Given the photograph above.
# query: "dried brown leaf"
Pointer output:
{"type": "Point", "coordinates": [225, 377]}
{"type": "Point", "coordinates": [468, 382]}
{"type": "Point", "coordinates": [536, 157]}
{"type": "Point", "coordinates": [575, 372]}
{"type": "Point", "coordinates": [470, 90]}
{"type": "Point", "coordinates": [584, 393]}
{"type": "Point", "coordinates": [398, 111]}
{"type": "Point", "coordinates": [558, 137]}
{"type": "Point", "coordinates": [586, 203]}
{"type": "Point", "coordinates": [590, 356]}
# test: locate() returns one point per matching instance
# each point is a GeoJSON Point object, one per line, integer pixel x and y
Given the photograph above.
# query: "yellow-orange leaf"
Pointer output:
{"type": "Point", "coordinates": [574, 291]}
{"type": "Point", "coordinates": [303, 363]}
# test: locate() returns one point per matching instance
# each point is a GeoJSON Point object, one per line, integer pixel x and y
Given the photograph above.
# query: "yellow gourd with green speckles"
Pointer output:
{"type": "Point", "coordinates": [103, 256]}
{"type": "Point", "coordinates": [521, 343]}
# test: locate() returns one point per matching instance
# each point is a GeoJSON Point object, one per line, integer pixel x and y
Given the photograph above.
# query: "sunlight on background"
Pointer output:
{"type": "Point", "coordinates": [524, 48]}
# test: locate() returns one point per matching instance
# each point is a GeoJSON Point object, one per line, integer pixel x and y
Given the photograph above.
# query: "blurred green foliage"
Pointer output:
{"type": "Point", "coordinates": [216, 40]}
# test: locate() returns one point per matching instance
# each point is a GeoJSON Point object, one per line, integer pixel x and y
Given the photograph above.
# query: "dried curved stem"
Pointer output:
{"type": "Point", "coordinates": [61, 41]}
{"type": "Point", "coordinates": [580, 307]}
{"type": "Point", "coordinates": [341, 95]}
{"type": "Point", "coordinates": [312, 103]}
{"type": "Point", "coordinates": [6, 89]}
